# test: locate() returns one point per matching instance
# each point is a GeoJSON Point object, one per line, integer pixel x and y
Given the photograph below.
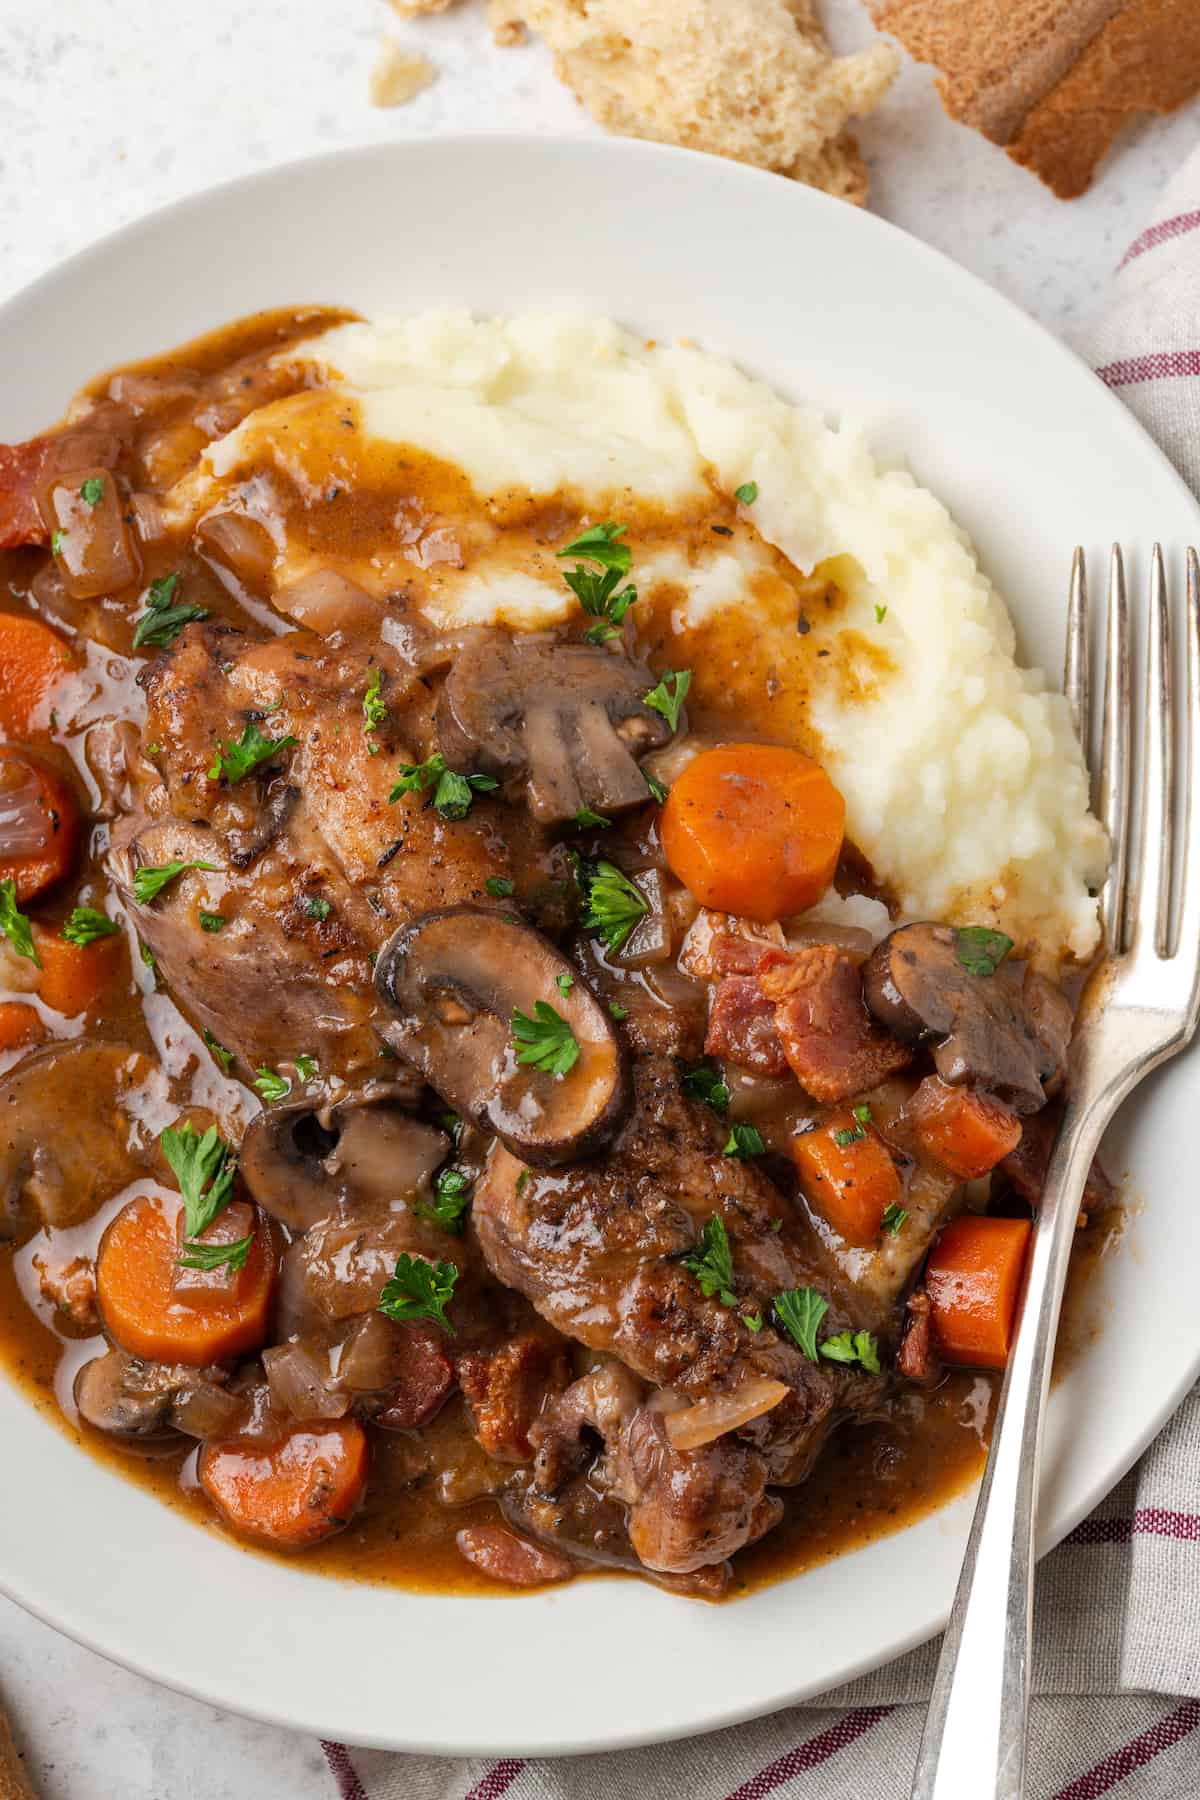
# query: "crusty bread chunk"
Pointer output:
{"type": "Point", "coordinates": [1053, 83]}
{"type": "Point", "coordinates": [397, 77]}
{"type": "Point", "coordinates": [754, 80]}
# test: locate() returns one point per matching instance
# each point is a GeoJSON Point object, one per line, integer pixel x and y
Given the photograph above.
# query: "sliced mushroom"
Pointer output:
{"type": "Point", "coordinates": [567, 719]}
{"type": "Point", "coordinates": [1006, 1032]}
{"type": "Point", "coordinates": [304, 1161]}
{"type": "Point", "coordinates": [129, 1397]}
{"type": "Point", "coordinates": [451, 980]}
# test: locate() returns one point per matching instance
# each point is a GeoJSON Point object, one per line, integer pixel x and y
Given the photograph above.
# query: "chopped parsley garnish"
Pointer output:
{"type": "Point", "coordinates": [57, 540]}
{"type": "Point", "coordinates": [853, 1347]}
{"type": "Point", "coordinates": [92, 491]}
{"type": "Point", "coordinates": [800, 1311]}
{"type": "Point", "coordinates": [752, 1321]}
{"type": "Point", "coordinates": [979, 950]}
{"type": "Point", "coordinates": [523, 1180]}
{"type": "Point", "coordinates": [713, 1267]}
{"type": "Point", "coordinates": [14, 925]}
{"type": "Point", "coordinates": [147, 956]}
{"type": "Point", "coordinates": [498, 886]}
{"type": "Point", "coordinates": [668, 697]}
{"type": "Point", "coordinates": [701, 1081]}
{"type": "Point", "coordinates": [451, 1198]}
{"type": "Point", "coordinates": [614, 905]}
{"type": "Point", "coordinates": [86, 924]}
{"type": "Point", "coordinates": [317, 907]}
{"type": "Point", "coordinates": [599, 590]}
{"type": "Point", "coordinates": [452, 793]}
{"type": "Point", "coordinates": [851, 1134]}
{"type": "Point", "coordinates": [585, 817]}
{"type": "Point", "coordinates": [149, 882]}
{"type": "Point", "coordinates": [204, 1167]}
{"type": "Point", "coordinates": [216, 1256]}
{"type": "Point", "coordinates": [374, 705]}
{"type": "Point", "coordinates": [419, 1290]}
{"type": "Point", "coordinates": [880, 614]}
{"type": "Point", "coordinates": [162, 623]}
{"type": "Point", "coordinates": [305, 1066]}
{"type": "Point", "coordinates": [658, 789]}
{"type": "Point", "coordinates": [546, 1041]}
{"type": "Point", "coordinates": [617, 1012]}
{"type": "Point", "coordinates": [213, 921]}
{"type": "Point", "coordinates": [271, 1085]}
{"type": "Point", "coordinates": [893, 1218]}
{"type": "Point", "coordinates": [564, 983]}
{"type": "Point", "coordinates": [235, 761]}
{"type": "Point", "coordinates": [862, 1113]}
{"type": "Point", "coordinates": [744, 1142]}
{"type": "Point", "coordinates": [747, 493]}
{"type": "Point", "coordinates": [450, 1123]}
{"type": "Point", "coordinates": [223, 1056]}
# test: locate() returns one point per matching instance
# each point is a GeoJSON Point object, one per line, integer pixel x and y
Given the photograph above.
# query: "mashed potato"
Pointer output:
{"type": "Point", "coordinates": [840, 609]}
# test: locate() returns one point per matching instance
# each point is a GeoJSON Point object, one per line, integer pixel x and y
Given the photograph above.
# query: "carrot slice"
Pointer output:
{"type": "Point", "coordinates": [973, 1278]}
{"type": "Point", "coordinates": [148, 1314]}
{"type": "Point", "coordinates": [848, 1176]}
{"type": "Point", "coordinates": [967, 1132]}
{"type": "Point", "coordinates": [33, 661]}
{"type": "Point", "coordinates": [75, 977]}
{"type": "Point", "coordinates": [753, 829]}
{"type": "Point", "coordinates": [40, 800]}
{"type": "Point", "coordinates": [291, 1493]}
{"type": "Point", "coordinates": [19, 1025]}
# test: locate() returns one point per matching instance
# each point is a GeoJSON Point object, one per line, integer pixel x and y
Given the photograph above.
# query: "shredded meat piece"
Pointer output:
{"type": "Point", "coordinates": [917, 1360]}
{"type": "Point", "coordinates": [834, 1048]}
{"type": "Point", "coordinates": [72, 1289]}
{"type": "Point", "coordinates": [741, 1026]}
{"type": "Point", "coordinates": [509, 1388]}
{"type": "Point", "coordinates": [506, 1557]}
{"type": "Point", "coordinates": [1026, 1166]}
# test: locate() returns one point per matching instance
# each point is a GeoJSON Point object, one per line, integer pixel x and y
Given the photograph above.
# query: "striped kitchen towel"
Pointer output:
{"type": "Point", "coordinates": [1117, 1623]}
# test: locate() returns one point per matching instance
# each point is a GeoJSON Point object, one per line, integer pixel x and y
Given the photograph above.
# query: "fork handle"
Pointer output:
{"type": "Point", "coordinates": [974, 1738]}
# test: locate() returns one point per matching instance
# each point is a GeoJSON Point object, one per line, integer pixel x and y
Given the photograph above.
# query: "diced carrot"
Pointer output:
{"type": "Point", "coordinates": [33, 660]}
{"type": "Point", "coordinates": [19, 1025]}
{"type": "Point", "coordinates": [848, 1176]}
{"type": "Point", "coordinates": [74, 977]}
{"type": "Point", "coordinates": [293, 1492]}
{"type": "Point", "coordinates": [38, 797]}
{"type": "Point", "coordinates": [753, 829]}
{"type": "Point", "coordinates": [144, 1312]}
{"type": "Point", "coordinates": [973, 1278]}
{"type": "Point", "coordinates": [22, 467]}
{"type": "Point", "coordinates": [967, 1132]}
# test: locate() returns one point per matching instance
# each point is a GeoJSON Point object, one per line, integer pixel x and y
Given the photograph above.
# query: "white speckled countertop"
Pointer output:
{"type": "Point", "coordinates": [109, 111]}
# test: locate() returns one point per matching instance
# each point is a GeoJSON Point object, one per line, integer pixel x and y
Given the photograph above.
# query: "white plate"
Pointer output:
{"type": "Point", "coordinates": [1032, 455]}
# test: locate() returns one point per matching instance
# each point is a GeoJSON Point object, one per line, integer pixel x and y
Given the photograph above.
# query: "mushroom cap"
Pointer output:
{"type": "Point", "coordinates": [569, 718]}
{"type": "Point", "coordinates": [1006, 1032]}
{"type": "Point", "coordinates": [451, 980]}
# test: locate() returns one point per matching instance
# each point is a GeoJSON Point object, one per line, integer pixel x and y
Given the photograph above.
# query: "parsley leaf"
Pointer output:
{"type": "Point", "coordinates": [374, 705]}
{"type": "Point", "coordinates": [745, 1141]}
{"type": "Point", "coordinates": [86, 924]}
{"type": "Point", "coordinates": [601, 544]}
{"type": "Point", "coordinates": [318, 908]}
{"type": "Point", "coordinates": [564, 983]}
{"type": "Point", "coordinates": [306, 1067]}
{"type": "Point", "coordinates": [614, 905]}
{"type": "Point", "coordinates": [880, 614]}
{"type": "Point", "coordinates": [600, 593]}
{"type": "Point", "coordinates": [701, 1081]}
{"type": "Point", "coordinates": [658, 789]}
{"type": "Point", "coordinates": [752, 1321]}
{"type": "Point", "coordinates": [800, 1311]}
{"type": "Point", "coordinates": [585, 817]}
{"type": "Point", "coordinates": [57, 540]}
{"type": "Point", "coordinates": [548, 1041]}
{"type": "Point", "coordinates": [223, 1056]}
{"type": "Point", "coordinates": [149, 882]}
{"type": "Point", "coordinates": [747, 493]}
{"type": "Point", "coordinates": [147, 956]}
{"type": "Point", "coordinates": [213, 921]}
{"type": "Point", "coordinates": [862, 1113]}
{"type": "Point", "coordinates": [452, 793]}
{"type": "Point", "coordinates": [419, 1290]}
{"type": "Point", "coordinates": [271, 1085]}
{"type": "Point", "coordinates": [851, 1134]}
{"type": "Point", "coordinates": [853, 1347]}
{"type": "Point", "coordinates": [451, 1198]}
{"type": "Point", "coordinates": [204, 1167]}
{"type": "Point", "coordinates": [979, 950]}
{"type": "Point", "coordinates": [215, 1256]}
{"type": "Point", "coordinates": [14, 925]}
{"type": "Point", "coordinates": [893, 1218]}
{"type": "Point", "coordinates": [162, 623]}
{"type": "Point", "coordinates": [236, 761]}
{"type": "Point", "coordinates": [617, 1012]}
{"type": "Point", "coordinates": [498, 886]}
{"type": "Point", "coordinates": [713, 1267]}
{"type": "Point", "coordinates": [92, 491]}
{"type": "Point", "coordinates": [668, 697]}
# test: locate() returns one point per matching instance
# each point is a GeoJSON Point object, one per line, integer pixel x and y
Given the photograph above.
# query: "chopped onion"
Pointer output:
{"type": "Point", "coordinates": [326, 602]}
{"type": "Point", "coordinates": [25, 827]}
{"type": "Point", "coordinates": [298, 1377]}
{"type": "Point", "coordinates": [713, 1417]}
{"type": "Point", "coordinates": [242, 544]}
{"type": "Point", "coordinates": [365, 1361]}
{"type": "Point", "coordinates": [843, 937]}
{"type": "Point", "coordinates": [205, 1410]}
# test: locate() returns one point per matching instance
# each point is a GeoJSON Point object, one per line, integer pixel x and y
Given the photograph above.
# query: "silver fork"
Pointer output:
{"type": "Point", "coordinates": [1139, 1008]}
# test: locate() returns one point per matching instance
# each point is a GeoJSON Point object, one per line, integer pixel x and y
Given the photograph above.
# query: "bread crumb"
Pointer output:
{"type": "Point", "coordinates": [398, 75]}
{"type": "Point", "coordinates": [749, 79]}
{"type": "Point", "coordinates": [421, 9]}
{"type": "Point", "coordinates": [504, 17]}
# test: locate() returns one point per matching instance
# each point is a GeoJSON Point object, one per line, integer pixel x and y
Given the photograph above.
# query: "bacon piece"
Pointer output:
{"type": "Point", "coordinates": [507, 1390]}
{"type": "Point", "coordinates": [741, 1025]}
{"type": "Point", "coordinates": [917, 1359]}
{"type": "Point", "coordinates": [426, 1379]}
{"type": "Point", "coordinates": [832, 1044]}
{"type": "Point", "coordinates": [22, 470]}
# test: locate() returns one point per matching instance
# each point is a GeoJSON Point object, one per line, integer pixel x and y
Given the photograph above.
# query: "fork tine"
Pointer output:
{"type": "Point", "coordinates": [1075, 669]}
{"type": "Point", "coordinates": [1153, 903]}
{"type": "Point", "coordinates": [1188, 939]}
{"type": "Point", "coordinates": [1114, 755]}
